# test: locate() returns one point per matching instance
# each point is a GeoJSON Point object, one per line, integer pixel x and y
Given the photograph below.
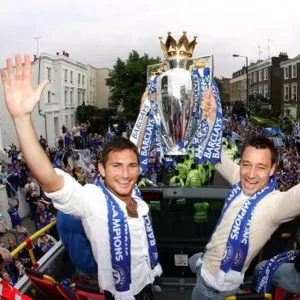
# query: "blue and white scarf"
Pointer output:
{"type": "Point", "coordinates": [266, 272]}
{"type": "Point", "coordinates": [120, 242]}
{"type": "Point", "coordinates": [238, 240]}
{"type": "Point", "coordinates": [209, 145]}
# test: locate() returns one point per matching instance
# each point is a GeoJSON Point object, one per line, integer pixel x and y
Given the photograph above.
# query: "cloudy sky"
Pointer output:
{"type": "Point", "coordinates": [96, 32]}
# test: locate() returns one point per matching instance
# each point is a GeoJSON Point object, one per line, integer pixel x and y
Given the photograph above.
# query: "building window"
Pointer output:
{"type": "Point", "coordinates": [91, 81]}
{"type": "Point", "coordinates": [91, 96]}
{"type": "Point", "coordinates": [66, 75]}
{"type": "Point", "coordinates": [286, 72]}
{"type": "Point", "coordinates": [72, 121]}
{"type": "Point", "coordinates": [49, 71]}
{"type": "Point", "coordinates": [79, 97]}
{"type": "Point", "coordinates": [266, 89]}
{"type": "Point", "coordinates": [260, 90]}
{"type": "Point", "coordinates": [260, 73]}
{"type": "Point", "coordinates": [266, 74]}
{"type": "Point", "coordinates": [255, 77]}
{"type": "Point", "coordinates": [286, 92]}
{"type": "Point", "coordinates": [66, 97]}
{"type": "Point", "coordinates": [49, 97]}
{"type": "Point", "coordinates": [79, 77]}
{"type": "Point", "coordinates": [56, 126]}
{"type": "Point", "coordinates": [83, 96]}
{"type": "Point", "coordinates": [66, 121]}
{"type": "Point", "coordinates": [83, 79]}
{"type": "Point", "coordinates": [294, 71]}
{"type": "Point", "coordinates": [294, 92]}
{"type": "Point", "coordinates": [71, 97]}
{"type": "Point", "coordinates": [71, 76]}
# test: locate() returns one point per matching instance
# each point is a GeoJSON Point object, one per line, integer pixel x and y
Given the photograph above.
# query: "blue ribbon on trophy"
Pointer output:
{"type": "Point", "coordinates": [171, 119]}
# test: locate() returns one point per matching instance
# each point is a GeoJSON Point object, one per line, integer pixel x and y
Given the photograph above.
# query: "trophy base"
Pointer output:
{"type": "Point", "coordinates": [176, 151]}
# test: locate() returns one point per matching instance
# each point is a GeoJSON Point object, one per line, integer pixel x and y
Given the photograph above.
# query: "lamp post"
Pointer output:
{"type": "Point", "coordinates": [247, 87]}
{"type": "Point", "coordinates": [37, 38]}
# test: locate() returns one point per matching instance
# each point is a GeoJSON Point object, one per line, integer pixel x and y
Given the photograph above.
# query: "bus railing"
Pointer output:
{"type": "Point", "coordinates": [28, 244]}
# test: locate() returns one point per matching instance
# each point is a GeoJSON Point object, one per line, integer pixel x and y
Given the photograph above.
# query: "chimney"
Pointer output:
{"type": "Point", "coordinates": [283, 55]}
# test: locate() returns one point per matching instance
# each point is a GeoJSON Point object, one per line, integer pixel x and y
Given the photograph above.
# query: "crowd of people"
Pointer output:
{"type": "Point", "coordinates": [237, 129]}
{"type": "Point", "coordinates": [77, 152]}
{"type": "Point", "coordinates": [68, 156]}
{"type": "Point", "coordinates": [118, 231]}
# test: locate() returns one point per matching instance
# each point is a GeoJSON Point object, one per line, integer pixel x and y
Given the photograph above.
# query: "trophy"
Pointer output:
{"type": "Point", "coordinates": [171, 119]}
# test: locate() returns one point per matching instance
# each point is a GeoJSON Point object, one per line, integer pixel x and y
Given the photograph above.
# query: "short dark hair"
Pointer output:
{"type": "Point", "coordinates": [260, 141]}
{"type": "Point", "coordinates": [118, 144]}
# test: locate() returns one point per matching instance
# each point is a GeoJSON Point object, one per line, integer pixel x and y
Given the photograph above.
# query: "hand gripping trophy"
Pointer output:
{"type": "Point", "coordinates": [170, 119]}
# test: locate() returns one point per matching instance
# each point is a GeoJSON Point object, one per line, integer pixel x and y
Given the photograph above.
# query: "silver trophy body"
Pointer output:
{"type": "Point", "coordinates": [170, 119]}
{"type": "Point", "coordinates": [175, 103]}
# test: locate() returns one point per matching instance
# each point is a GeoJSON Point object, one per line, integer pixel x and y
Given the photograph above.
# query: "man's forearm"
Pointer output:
{"type": "Point", "coordinates": [35, 157]}
{"type": "Point", "coordinates": [228, 169]}
{"type": "Point", "coordinates": [4, 226]}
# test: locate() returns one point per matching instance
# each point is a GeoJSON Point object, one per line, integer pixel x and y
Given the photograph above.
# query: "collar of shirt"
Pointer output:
{"type": "Point", "coordinates": [142, 206]}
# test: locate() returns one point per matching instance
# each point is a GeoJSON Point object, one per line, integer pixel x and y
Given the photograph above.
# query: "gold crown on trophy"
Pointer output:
{"type": "Point", "coordinates": [173, 48]}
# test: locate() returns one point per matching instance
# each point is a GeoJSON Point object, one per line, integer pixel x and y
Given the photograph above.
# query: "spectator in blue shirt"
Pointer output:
{"type": "Point", "coordinates": [42, 222]}
{"type": "Point", "coordinates": [46, 242]}
{"type": "Point", "coordinates": [13, 213]}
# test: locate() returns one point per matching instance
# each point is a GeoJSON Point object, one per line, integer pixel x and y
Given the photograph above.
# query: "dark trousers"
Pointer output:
{"type": "Point", "coordinates": [77, 142]}
{"type": "Point", "coordinates": [145, 294]}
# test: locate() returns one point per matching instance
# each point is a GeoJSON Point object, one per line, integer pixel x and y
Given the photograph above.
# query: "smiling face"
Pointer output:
{"type": "Point", "coordinates": [41, 205]}
{"type": "Point", "coordinates": [42, 219]}
{"type": "Point", "coordinates": [19, 228]}
{"type": "Point", "coordinates": [256, 169]}
{"type": "Point", "coordinates": [121, 172]}
{"type": "Point", "coordinates": [12, 243]}
{"type": "Point", "coordinates": [44, 238]}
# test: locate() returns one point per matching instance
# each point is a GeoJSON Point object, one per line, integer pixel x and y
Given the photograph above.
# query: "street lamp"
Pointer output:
{"type": "Point", "coordinates": [247, 88]}
{"type": "Point", "coordinates": [37, 38]}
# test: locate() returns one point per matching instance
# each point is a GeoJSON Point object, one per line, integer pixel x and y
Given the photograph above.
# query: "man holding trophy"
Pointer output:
{"type": "Point", "coordinates": [183, 110]}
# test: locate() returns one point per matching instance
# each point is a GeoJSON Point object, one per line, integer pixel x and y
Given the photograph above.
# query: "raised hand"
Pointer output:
{"type": "Point", "coordinates": [20, 98]}
{"type": "Point", "coordinates": [208, 105]}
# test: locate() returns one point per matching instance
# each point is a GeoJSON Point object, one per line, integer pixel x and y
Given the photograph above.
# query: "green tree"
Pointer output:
{"type": "Point", "coordinates": [127, 81]}
{"type": "Point", "coordinates": [86, 113]}
{"type": "Point", "coordinates": [219, 85]}
{"type": "Point", "coordinates": [99, 119]}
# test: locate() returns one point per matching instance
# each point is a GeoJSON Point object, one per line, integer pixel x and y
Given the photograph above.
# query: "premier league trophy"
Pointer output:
{"type": "Point", "coordinates": [171, 120]}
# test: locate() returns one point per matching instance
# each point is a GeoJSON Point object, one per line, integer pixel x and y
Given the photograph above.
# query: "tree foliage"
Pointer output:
{"type": "Point", "coordinates": [86, 113]}
{"type": "Point", "coordinates": [99, 119]}
{"type": "Point", "coordinates": [127, 81]}
{"type": "Point", "coordinates": [220, 86]}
